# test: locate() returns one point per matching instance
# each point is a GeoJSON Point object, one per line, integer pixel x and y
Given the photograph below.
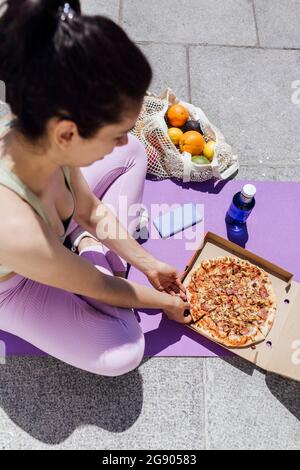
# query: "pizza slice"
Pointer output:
{"type": "Point", "coordinates": [234, 336]}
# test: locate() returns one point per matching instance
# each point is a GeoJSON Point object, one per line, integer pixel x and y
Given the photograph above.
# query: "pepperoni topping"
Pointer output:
{"type": "Point", "coordinates": [229, 291]}
{"type": "Point", "coordinates": [245, 331]}
{"type": "Point", "coordinates": [263, 292]}
{"type": "Point", "coordinates": [263, 313]}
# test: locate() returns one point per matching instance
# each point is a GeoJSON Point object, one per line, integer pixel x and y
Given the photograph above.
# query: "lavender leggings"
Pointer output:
{"type": "Point", "coordinates": [80, 330]}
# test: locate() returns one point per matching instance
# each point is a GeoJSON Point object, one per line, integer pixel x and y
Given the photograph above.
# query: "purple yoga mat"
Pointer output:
{"type": "Point", "coordinates": [273, 233]}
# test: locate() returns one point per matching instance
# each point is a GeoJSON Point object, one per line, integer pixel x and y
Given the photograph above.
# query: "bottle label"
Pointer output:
{"type": "Point", "coordinates": [238, 214]}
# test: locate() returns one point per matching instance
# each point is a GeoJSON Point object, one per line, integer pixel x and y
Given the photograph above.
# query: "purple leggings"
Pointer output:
{"type": "Point", "coordinates": [80, 330]}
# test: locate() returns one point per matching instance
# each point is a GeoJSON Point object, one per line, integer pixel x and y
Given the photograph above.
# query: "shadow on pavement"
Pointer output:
{"type": "Point", "coordinates": [287, 391]}
{"type": "Point", "coordinates": [49, 399]}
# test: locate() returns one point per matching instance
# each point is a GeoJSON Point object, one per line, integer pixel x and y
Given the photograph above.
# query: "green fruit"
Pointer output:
{"type": "Point", "coordinates": [200, 160]}
{"type": "Point", "coordinates": [192, 126]}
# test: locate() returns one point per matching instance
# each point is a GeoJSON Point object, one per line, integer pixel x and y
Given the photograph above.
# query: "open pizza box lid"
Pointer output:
{"type": "Point", "coordinates": [280, 352]}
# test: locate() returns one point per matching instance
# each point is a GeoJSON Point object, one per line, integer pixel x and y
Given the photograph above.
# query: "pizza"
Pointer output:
{"type": "Point", "coordinates": [232, 301]}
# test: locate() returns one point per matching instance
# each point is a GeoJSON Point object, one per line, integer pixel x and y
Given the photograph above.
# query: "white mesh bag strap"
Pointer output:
{"type": "Point", "coordinates": [187, 167]}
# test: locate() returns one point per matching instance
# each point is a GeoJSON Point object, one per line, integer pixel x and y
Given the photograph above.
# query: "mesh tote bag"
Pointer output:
{"type": "Point", "coordinates": [165, 160]}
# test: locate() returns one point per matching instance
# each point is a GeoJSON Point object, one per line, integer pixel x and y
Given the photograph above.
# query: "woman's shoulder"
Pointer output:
{"type": "Point", "coordinates": [12, 205]}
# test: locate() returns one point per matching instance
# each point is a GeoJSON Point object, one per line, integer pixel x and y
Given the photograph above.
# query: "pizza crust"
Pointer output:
{"type": "Point", "coordinates": [232, 341]}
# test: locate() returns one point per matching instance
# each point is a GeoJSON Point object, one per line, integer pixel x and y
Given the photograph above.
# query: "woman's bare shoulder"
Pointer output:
{"type": "Point", "coordinates": [20, 226]}
{"type": "Point", "coordinates": [13, 209]}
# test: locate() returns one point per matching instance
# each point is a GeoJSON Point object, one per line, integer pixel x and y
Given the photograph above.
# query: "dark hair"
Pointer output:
{"type": "Point", "coordinates": [85, 68]}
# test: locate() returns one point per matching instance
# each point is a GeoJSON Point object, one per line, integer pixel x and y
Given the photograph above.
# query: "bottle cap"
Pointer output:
{"type": "Point", "coordinates": [249, 190]}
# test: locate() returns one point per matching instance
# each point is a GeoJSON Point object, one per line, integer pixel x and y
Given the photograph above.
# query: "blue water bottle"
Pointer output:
{"type": "Point", "coordinates": [241, 207]}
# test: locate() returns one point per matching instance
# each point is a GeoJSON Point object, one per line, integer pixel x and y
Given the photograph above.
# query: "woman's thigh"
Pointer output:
{"type": "Point", "coordinates": [92, 336]}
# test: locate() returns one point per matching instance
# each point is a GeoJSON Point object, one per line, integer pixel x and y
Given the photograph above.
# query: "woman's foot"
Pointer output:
{"type": "Point", "coordinates": [87, 241]}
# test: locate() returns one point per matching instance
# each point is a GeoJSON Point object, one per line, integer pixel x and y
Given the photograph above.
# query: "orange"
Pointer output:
{"type": "Point", "coordinates": [175, 134]}
{"type": "Point", "coordinates": [192, 142]}
{"type": "Point", "coordinates": [177, 115]}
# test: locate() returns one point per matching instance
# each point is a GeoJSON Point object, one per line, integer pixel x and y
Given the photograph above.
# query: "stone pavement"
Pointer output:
{"type": "Point", "coordinates": [239, 60]}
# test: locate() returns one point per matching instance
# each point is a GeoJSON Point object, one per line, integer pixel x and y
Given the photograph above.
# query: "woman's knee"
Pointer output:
{"type": "Point", "coordinates": [137, 152]}
{"type": "Point", "coordinates": [119, 361]}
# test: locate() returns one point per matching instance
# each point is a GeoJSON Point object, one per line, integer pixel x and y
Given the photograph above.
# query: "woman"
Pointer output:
{"type": "Point", "coordinates": [75, 85]}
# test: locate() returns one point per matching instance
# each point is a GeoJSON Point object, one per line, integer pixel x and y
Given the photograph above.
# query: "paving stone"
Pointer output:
{"type": "Point", "coordinates": [47, 404]}
{"type": "Point", "coordinates": [196, 21]}
{"type": "Point", "coordinates": [248, 94]}
{"type": "Point", "coordinates": [278, 22]}
{"type": "Point", "coordinates": [258, 172]}
{"type": "Point", "coordinates": [247, 410]}
{"type": "Point", "coordinates": [101, 7]}
{"type": "Point", "coordinates": [169, 65]}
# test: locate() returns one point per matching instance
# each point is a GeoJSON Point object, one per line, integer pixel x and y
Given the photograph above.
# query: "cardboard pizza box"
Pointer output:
{"type": "Point", "coordinates": [280, 352]}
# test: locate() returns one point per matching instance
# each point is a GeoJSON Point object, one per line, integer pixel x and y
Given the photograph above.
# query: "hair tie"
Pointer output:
{"type": "Point", "coordinates": [66, 12]}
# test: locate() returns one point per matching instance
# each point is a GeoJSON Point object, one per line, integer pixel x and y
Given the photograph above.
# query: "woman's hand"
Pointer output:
{"type": "Point", "coordinates": [179, 311]}
{"type": "Point", "coordinates": [165, 278]}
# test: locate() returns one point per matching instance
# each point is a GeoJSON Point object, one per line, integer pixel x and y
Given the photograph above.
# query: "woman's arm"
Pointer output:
{"type": "Point", "coordinates": [108, 229]}
{"type": "Point", "coordinates": [97, 218]}
{"type": "Point", "coordinates": [31, 248]}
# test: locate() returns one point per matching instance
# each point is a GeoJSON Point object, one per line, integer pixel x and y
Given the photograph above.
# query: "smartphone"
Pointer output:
{"type": "Point", "coordinates": [178, 219]}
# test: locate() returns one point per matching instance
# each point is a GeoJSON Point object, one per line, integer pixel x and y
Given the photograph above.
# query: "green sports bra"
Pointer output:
{"type": "Point", "coordinates": [12, 181]}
